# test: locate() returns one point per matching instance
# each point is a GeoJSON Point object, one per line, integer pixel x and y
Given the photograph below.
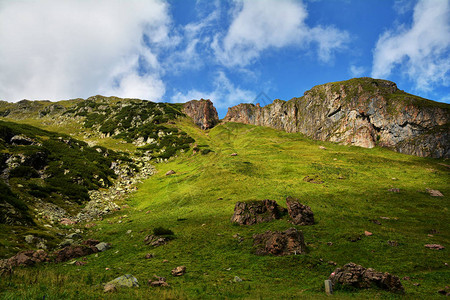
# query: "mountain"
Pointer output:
{"type": "Point", "coordinates": [363, 112]}
{"type": "Point", "coordinates": [113, 186]}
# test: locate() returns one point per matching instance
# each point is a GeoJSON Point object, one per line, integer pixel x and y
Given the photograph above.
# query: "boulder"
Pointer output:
{"type": "Point", "coordinates": [103, 246]}
{"type": "Point", "coordinates": [279, 243]}
{"type": "Point", "coordinates": [71, 252]}
{"type": "Point", "coordinates": [127, 280]}
{"type": "Point", "coordinates": [299, 213]}
{"type": "Point", "coordinates": [249, 213]}
{"type": "Point", "coordinates": [179, 271]}
{"type": "Point", "coordinates": [27, 258]}
{"type": "Point", "coordinates": [357, 276]}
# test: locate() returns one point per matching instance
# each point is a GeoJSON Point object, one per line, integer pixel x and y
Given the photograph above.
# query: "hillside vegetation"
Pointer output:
{"type": "Point", "coordinates": [197, 202]}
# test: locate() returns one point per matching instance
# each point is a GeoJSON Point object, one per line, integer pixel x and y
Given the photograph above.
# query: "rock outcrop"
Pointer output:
{"type": "Point", "coordinates": [202, 112]}
{"type": "Point", "coordinates": [279, 243]}
{"type": "Point", "coordinates": [357, 276]}
{"type": "Point", "coordinates": [299, 213]}
{"type": "Point", "coordinates": [249, 213]}
{"type": "Point", "coordinates": [363, 112]}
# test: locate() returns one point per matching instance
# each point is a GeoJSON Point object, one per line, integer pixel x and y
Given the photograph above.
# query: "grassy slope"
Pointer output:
{"type": "Point", "coordinates": [270, 165]}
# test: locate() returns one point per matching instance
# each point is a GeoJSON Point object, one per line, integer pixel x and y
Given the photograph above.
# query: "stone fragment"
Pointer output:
{"type": "Point", "coordinates": [160, 281]}
{"type": "Point", "coordinates": [155, 240]}
{"type": "Point", "coordinates": [299, 213]}
{"type": "Point", "coordinates": [233, 154]}
{"type": "Point", "coordinates": [279, 243]}
{"type": "Point", "coordinates": [313, 179]}
{"type": "Point", "coordinates": [103, 246]}
{"type": "Point", "coordinates": [170, 172]}
{"type": "Point", "coordinates": [367, 233]}
{"type": "Point", "coordinates": [434, 246]}
{"type": "Point", "coordinates": [435, 193]}
{"type": "Point", "coordinates": [357, 276]}
{"type": "Point", "coordinates": [179, 271]}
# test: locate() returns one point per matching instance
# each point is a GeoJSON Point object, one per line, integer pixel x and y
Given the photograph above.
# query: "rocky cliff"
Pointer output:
{"type": "Point", "coordinates": [202, 112]}
{"type": "Point", "coordinates": [362, 111]}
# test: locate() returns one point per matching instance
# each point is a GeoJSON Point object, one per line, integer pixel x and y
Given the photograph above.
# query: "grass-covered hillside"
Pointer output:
{"type": "Point", "coordinates": [197, 202]}
{"type": "Point", "coordinates": [38, 167]}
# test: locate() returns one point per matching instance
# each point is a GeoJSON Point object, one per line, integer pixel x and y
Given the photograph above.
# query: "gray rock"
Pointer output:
{"type": "Point", "coordinates": [66, 242]}
{"type": "Point", "coordinates": [237, 279]}
{"type": "Point", "coordinates": [29, 239]}
{"type": "Point", "coordinates": [127, 280]}
{"type": "Point", "coordinates": [74, 236]}
{"type": "Point", "coordinates": [103, 246]}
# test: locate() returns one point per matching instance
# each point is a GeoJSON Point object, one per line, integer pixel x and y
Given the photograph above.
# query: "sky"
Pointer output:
{"type": "Point", "coordinates": [228, 51]}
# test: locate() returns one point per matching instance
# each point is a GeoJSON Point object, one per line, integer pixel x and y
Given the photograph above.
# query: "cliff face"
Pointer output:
{"type": "Point", "coordinates": [363, 112]}
{"type": "Point", "coordinates": [202, 112]}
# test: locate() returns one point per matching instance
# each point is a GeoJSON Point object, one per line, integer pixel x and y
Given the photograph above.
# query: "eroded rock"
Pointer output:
{"type": "Point", "coordinates": [179, 271]}
{"type": "Point", "coordinates": [249, 213]}
{"type": "Point", "coordinates": [357, 276]}
{"type": "Point", "coordinates": [279, 243]}
{"type": "Point", "coordinates": [299, 213]}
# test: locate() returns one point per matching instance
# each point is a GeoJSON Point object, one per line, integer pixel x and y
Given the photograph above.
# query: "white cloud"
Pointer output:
{"type": "Point", "coordinates": [357, 71]}
{"type": "Point", "coordinates": [270, 24]}
{"type": "Point", "coordinates": [66, 49]}
{"type": "Point", "coordinates": [224, 94]}
{"type": "Point", "coordinates": [422, 51]}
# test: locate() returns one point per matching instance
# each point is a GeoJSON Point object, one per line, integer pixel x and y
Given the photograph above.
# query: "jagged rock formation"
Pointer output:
{"type": "Point", "coordinates": [253, 212]}
{"type": "Point", "coordinates": [364, 112]}
{"type": "Point", "coordinates": [357, 276]}
{"type": "Point", "coordinates": [202, 112]}
{"type": "Point", "coordinates": [279, 243]}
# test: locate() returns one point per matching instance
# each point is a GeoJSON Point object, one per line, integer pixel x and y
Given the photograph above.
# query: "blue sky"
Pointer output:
{"type": "Point", "coordinates": [228, 51]}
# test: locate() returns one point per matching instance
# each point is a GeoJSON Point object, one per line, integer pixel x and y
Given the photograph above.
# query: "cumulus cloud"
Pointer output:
{"type": "Point", "coordinates": [357, 71]}
{"type": "Point", "coordinates": [272, 24]}
{"type": "Point", "coordinates": [66, 49]}
{"type": "Point", "coordinates": [224, 94]}
{"type": "Point", "coordinates": [421, 51]}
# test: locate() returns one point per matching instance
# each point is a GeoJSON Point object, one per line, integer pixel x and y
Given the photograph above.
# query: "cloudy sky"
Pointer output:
{"type": "Point", "coordinates": [228, 51]}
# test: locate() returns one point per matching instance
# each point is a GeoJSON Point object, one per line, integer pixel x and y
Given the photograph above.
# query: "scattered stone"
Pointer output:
{"type": "Point", "coordinates": [66, 243]}
{"type": "Point", "coordinates": [394, 190]}
{"type": "Point", "coordinates": [156, 241]}
{"type": "Point", "coordinates": [149, 255]}
{"type": "Point", "coordinates": [103, 246]}
{"type": "Point", "coordinates": [322, 147]}
{"type": "Point", "coordinates": [160, 281]}
{"type": "Point", "coordinates": [313, 179]}
{"type": "Point", "coordinates": [127, 280]}
{"type": "Point", "coordinates": [279, 243]}
{"type": "Point", "coordinates": [129, 231]}
{"type": "Point", "coordinates": [249, 213]}
{"type": "Point", "coordinates": [179, 271]}
{"type": "Point", "coordinates": [170, 172]}
{"type": "Point", "coordinates": [357, 276]}
{"type": "Point", "coordinates": [29, 239]}
{"type": "Point", "coordinates": [90, 225]}
{"type": "Point", "coordinates": [375, 222]}
{"type": "Point", "coordinates": [66, 221]}
{"type": "Point", "coordinates": [407, 278]}
{"type": "Point", "coordinates": [233, 154]}
{"type": "Point", "coordinates": [368, 233]}
{"type": "Point", "coordinates": [80, 263]}
{"type": "Point", "coordinates": [392, 243]}
{"type": "Point", "coordinates": [416, 284]}
{"type": "Point", "coordinates": [165, 261]}
{"type": "Point", "coordinates": [435, 193]}
{"type": "Point", "coordinates": [385, 218]}
{"type": "Point", "coordinates": [237, 279]}
{"type": "Point", "coordinates": [330, 243]}
{"type": "Point", "coordinates": [332, 263]}
{"type": "Point", "coordinates": [393, 178]}
{"type": "Point", "coordinates": [74, 236]}
{"type": "Point", "coordinates": [300, 214]}
{"type": "Point", "coordinates": [434, 246]}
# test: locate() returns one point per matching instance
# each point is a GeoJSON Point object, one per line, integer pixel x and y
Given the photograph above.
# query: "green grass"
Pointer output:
{"type": "Point", "coordinates": [197, 202]}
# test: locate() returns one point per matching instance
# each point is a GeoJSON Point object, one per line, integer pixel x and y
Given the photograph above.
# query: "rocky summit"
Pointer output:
{"type": "Point", "coordinates": [363, 112]}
